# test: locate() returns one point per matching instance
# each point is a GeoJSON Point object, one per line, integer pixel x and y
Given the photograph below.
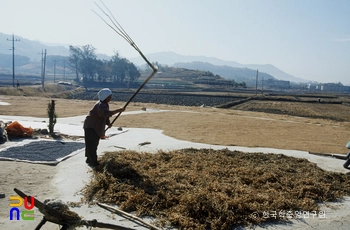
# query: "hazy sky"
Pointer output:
{"type": "Point", "coordinates": [309, 39]}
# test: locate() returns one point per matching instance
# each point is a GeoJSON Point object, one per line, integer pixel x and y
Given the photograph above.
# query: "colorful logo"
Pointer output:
{"type": "Point", "coordinates": [27, 214]}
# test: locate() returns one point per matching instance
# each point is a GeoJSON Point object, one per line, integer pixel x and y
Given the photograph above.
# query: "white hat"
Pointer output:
{"type": "Point", "coordinates": [103, 94]}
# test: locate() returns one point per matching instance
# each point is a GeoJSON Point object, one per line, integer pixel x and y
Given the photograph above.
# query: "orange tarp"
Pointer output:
{"type": "Point", "coordinates": [17, 129]}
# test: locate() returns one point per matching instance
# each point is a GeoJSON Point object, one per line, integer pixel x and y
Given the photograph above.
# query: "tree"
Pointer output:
{"type": "Point", "coordinates": [74, 59]}
{"type": "Point", "coordinates": [88, 63]}
{"type": "Point", "coordinates": [83, 60]}
{"type": "Point", "coordinates": [119, 71]}
{"type": "Point", "coordinates": [52, 115]}
{"type": "Point", "coordinates": [103, 70]}
{"type": "Point", "coordinates": [134, 73]}
{"type": "Point", "coordinates": [121, 68]}
{"type": "Point", "coordinates": [114, 66]}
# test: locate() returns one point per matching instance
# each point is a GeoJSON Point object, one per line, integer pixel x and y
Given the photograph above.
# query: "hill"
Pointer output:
{"type": "Point", "coordinates": [227, 72]}
{"type": "Point", "coordinates": [32, 49]}
{"type": "Point", "coordinates": [171, 59]}
{"type": "Point", "coordinates": [176, 77]}
{"type": "Point", "coordinates": [27, 49]}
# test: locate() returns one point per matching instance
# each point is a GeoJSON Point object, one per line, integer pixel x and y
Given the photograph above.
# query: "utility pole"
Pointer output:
{"type": "Point", "coordinates": [64, 69]}
{"type": "Point", "coordinates": [256, 84]}
{"type": "Point", "coordinates": [54, 71]}
{"type": "Point", "coordinates": [43, 64]}
{"type": "Point", "coordinates": [44, 67]}
{"type": "Point", "coordinates": [13, 40]}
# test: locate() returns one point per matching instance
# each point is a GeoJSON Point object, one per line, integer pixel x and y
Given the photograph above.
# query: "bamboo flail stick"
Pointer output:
{"type": "Point", "coordinates": [337, 156]}
{"type": "Point", "coordinates": [116, 27]}
{"type": "Point", "coordinates": [127, 215]}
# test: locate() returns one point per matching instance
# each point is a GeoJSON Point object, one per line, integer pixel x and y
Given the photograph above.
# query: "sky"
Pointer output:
{"type": "Point", "coordinates": [308, 39]}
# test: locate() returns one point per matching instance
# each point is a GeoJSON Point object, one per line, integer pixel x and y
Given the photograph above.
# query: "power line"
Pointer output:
{"type": "Point", "coordinates": [13, 40]}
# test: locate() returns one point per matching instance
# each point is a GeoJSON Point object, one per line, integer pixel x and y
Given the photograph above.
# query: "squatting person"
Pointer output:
{"type": "Point", "coordinates": [95, 124]}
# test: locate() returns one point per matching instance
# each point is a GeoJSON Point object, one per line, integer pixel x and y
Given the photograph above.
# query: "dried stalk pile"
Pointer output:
{"type": "Point", "coordinates": [204, 188]}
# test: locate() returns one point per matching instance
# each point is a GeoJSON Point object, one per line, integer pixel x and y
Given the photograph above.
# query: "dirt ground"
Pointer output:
{"type": "Point", "coordinates": [33, 179]}
{"type": "Point", "coordinates": [198, 124]}
{"type": "Point", "coordinates": [208, 125]}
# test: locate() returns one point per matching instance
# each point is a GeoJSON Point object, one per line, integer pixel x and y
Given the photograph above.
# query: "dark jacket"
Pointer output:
{"type": "Point", "coordinates": [98, 118]}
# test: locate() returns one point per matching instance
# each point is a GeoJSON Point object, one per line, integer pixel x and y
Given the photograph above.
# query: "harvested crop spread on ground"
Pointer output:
{"type": "Point", "coordinates": [215, 189]}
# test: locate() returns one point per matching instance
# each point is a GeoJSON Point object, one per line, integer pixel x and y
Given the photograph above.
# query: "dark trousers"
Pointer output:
{"type": "Point", "coordinates": [91, 142]}
{"type": "Point", "coordinates": [347, 163]}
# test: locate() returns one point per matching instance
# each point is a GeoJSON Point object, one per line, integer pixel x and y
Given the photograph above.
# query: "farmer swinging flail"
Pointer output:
{"type": "Point", "coordinates": [95, 124]}
{"type": "Point", "coordinates": [98, 117]}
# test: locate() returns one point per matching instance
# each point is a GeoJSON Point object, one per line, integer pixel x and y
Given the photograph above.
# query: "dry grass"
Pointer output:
{"type": "Point", "coordinates": [208, 189]}
{"type": "Point", "coordinates": [50, 90]}
{"type": "Point", "coordinates": [242, 128]}
{"type": "Point", "coordinates": [336, 112]}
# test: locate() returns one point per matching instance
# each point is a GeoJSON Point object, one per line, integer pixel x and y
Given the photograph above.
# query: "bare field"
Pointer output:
{"type": "Point", "coordinates": [250, 124]}
{"type": "Point", "coordinates": [338, 112]}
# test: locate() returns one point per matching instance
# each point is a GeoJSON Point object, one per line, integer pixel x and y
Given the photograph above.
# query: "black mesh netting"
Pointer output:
{"type": "Point", "coordinates": [45, 151]}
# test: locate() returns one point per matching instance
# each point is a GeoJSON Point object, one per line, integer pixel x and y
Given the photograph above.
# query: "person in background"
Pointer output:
{"type": "Point", "coordinates": [95, 124]}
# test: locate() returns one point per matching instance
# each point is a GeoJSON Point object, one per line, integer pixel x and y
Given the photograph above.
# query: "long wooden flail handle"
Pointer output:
{"type": "Point", "coordinates": [127, 215]}
{"type": "Point", "coordinates": [116, 27]}
{"type": "Point", "coordinates": [131, 98]}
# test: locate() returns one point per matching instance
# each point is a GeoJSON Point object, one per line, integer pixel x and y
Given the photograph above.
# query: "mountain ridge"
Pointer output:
{"type": "Point", "coordinates": [171, 58]}
{"type": "Point", "coordinates": [32, 49]}
{"type": "Point", "coordinates": [228, 72]}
